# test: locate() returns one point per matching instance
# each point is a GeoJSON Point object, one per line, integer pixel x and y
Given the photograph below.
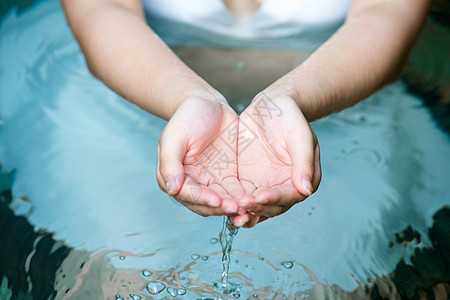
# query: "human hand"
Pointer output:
{"type": "Point", "coordinates": [197, 160]}
{"type": "Point", "coordinates": [279, 158]}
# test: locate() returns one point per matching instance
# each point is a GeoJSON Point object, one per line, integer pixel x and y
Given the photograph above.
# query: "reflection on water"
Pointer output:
{"type": "Point", "coordinates": [87, 220]}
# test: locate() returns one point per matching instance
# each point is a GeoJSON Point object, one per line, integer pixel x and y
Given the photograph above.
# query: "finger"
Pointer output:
{"type": "Point", "coordinates": [252, 222]}
{"type": "Point", "coordinates": [269, 210]}
{"type": "Point", "coordinates": [193, 193]}
{"type": "Point", "coordinates": [206, 211]}
{"type": "Point", "coordinates": [262, 219]}
{"type": "Point", "coordinates": [229, 205]}
{"type": "Point", "coordinates": [317, 169]}
{"type": "Point", "coordinates": [172, 148]}
{"type": "Point", "coordinates": [240, 220]}
{"type": "Point", "coordinates": [301, 149]}
{"type": "Point", "coordinates": [283, 195]}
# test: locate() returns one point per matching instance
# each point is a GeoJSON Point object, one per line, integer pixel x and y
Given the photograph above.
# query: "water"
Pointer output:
{"type": "Point", "coordinates": [226, 237]}
{"type": "Point", "coordinates": [155, 287]}
{"type": "Point", "coordinates": [84, 192]}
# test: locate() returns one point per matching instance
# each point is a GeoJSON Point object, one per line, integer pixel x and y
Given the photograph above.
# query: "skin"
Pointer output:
{"type": "Point", "coordinates": [281, 167]}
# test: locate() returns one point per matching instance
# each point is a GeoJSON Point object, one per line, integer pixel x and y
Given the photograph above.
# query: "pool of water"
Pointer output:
{"type": "Point", "coordinates": [82, 217]}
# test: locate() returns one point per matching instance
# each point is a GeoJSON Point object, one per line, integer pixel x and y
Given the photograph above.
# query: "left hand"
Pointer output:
{"type": "Point", "coordinates": [279, 158]}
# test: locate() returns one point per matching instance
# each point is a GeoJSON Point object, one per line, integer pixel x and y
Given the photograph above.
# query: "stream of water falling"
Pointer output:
{"type": "Point", "coordinates": [226, 237]}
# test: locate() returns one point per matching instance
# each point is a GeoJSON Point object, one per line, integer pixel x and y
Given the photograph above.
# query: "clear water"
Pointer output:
{"type": "Point", "coordinates": [83, 162]}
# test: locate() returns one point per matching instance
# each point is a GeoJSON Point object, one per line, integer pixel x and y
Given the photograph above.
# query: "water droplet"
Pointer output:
{"type": "Point", "coordinates": [255, 296]}
{"type": "Point", "coordinates": [118, 297]}
{"type": "Point", "coordinates": [135, 297]}
{"type": "Point", "coordinates": [214, 240]}
{"type": "Point", "coordinates": [181, 291]}
{"type": "Point", "coordinates": [205, 257]}
{"type": "Point", "coordinates": [147, 273]}
{"type": "Point", "coordinates": [172, 291]}
{"type": "Point", "coordinates": [195, 256]}
{"type": "Point", "coordinates": [287, 264]}
{"type": "Point", "coordinates": [121, 257]}
{"type": "Point", "coordinates": [155, 287]}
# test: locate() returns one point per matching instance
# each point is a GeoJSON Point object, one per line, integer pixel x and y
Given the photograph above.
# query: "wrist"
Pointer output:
{"type": "Point", "coordinates": [201, 91]}
{"type": "Point", "coordinates": [298, 87]}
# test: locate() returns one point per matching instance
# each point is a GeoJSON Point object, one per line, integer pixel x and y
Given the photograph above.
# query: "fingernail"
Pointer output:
{"type": "Point", "coordinates": [171, 185]}
{"type": "Point", "coordinates": [307, 185]}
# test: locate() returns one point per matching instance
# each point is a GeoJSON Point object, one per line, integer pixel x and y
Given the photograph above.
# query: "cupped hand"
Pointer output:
{"type": "Point", "coordinates": [279, 158]}
{"type": "Point", "coordinates": [197, 159]}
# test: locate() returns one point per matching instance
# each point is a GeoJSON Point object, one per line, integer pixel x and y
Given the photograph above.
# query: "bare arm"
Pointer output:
{"type": "Point", "coordinates": [122, 50]}
{"type": "Point", "coordinates": [367, 52]}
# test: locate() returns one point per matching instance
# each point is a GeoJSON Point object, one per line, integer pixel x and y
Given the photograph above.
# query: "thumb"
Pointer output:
{"type": "Point", "coordinates": [301, 149]}
{"type": "Point", "coordinates": [172, 148]}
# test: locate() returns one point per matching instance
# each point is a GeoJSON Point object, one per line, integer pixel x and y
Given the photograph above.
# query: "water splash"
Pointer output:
{"type": "Point", "coordinates": [155, 287]}
{"type": "Point", "coordinates": [226, 237]}
{"type": "Point", "coordinates": [172, 291]}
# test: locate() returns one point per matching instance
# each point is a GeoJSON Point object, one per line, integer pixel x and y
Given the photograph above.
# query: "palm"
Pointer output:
{"type": "Point", "coordinates": [211, 159]}
{"type": "Point", "coordinates": [266, 153]}
{"type": "Point", "coordinates": [204, 133]}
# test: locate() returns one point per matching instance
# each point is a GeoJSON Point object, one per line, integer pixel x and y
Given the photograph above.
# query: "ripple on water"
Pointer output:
{"type": "Point", "coordinates": [365, 157]}
{"type": "Point", "coordinates": [155, 287]}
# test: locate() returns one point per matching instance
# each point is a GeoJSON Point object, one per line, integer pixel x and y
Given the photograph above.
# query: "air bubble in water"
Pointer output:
{"type": "Point", "coordinates": [195, 256]}
{"type": "Point", "coordinates": [135, 297]}
{"type": "Point", "coordinates": [181, 291]}
{"type": "Point", "coordinates": [214, 240]}
{"type": "Point", "coordinates": [205, 257]}
{"type": "Point", "coordinates": [287, 264]}
{"type": "Point", "coordinates": [118, 297]}
{"type": "Point", "coordinates": [255, 296]}
{"type": "Point", "coordinates": [172, 291]}
{"type": "Point", "coordinates": [155, 287]}
{"type": "Point", "coordinates": [121, 257]}
{"type": "Point", "coordinates": [147, 273]}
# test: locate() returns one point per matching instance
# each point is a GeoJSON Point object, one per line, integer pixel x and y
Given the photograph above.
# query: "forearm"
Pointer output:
{"type": "Point", "coordinates": [123, 52]}
{"type": "Point", "coordinates": [367, 52]}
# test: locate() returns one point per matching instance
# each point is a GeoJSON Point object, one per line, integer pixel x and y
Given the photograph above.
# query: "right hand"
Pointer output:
{"type": "Point", "coordinates": [197, 160]}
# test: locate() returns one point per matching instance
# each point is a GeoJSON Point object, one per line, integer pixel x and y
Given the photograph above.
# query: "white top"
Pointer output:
{"type": "Point", "coordinates": [274, 18]}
